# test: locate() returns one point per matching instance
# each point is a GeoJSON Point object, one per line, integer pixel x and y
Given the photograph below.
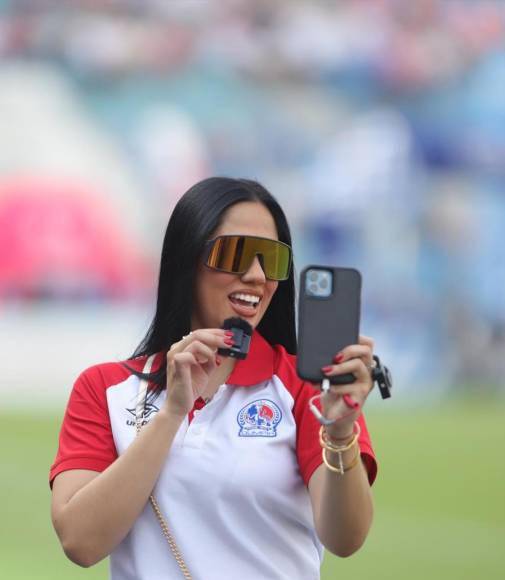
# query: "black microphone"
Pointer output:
{"type": "Point", "coordinates": [242, 332]}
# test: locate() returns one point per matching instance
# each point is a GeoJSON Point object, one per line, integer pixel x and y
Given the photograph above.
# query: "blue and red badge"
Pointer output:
{"type": "Point", "coordinates": [259, 419]}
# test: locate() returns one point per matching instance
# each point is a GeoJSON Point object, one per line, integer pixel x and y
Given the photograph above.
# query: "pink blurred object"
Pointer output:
{"type": "Point", "coordinates": [60, 240]}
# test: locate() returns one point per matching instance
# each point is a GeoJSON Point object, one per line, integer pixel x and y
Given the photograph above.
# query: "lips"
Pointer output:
{"type": "Point", "coordinates": [242, 308]}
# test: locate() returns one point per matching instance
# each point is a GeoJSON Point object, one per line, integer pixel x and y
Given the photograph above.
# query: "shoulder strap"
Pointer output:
{"type": "Point", "coordinates": [142, 393]}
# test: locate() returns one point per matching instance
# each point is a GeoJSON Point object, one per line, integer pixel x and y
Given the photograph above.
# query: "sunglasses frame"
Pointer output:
{"type": "Point", "coordinates": [210, 243]}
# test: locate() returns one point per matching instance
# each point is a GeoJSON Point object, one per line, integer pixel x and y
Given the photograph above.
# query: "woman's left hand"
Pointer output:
{"type": "Point", "coordinates": [358, 360]}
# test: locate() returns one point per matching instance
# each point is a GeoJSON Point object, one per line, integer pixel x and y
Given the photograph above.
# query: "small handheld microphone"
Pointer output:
{"type": "Point", "coordinates": [242, 332]}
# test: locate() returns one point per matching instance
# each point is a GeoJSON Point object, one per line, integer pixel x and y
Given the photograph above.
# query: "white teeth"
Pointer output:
{"type": "Point", "coordinates": [246, 298]}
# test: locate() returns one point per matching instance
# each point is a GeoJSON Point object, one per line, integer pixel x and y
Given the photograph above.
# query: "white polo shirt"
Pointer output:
{"type": "Point", "coordinates": [233, 489]}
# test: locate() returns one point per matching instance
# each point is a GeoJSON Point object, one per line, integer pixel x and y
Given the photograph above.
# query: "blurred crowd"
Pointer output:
{"type": "Point", "coordinates": [379, 124]}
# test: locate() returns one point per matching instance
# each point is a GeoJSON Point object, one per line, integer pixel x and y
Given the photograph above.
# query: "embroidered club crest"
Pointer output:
{"type": "Point", "coordinates": [259, 419]}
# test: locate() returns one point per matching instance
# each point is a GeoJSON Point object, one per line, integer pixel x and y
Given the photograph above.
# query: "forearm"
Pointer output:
{"type": "Point", "coordinates": [346, 509]}
{"type": "Point", "coordinates": [98, 516]}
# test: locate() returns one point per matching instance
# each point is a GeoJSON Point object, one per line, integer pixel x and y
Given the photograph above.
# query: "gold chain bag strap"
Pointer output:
{"type": "Point", "coordinates": [139, 417]}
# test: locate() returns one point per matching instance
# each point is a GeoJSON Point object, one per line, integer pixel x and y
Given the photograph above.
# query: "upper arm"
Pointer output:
{"type": "Point", "coordinates": [65, 486]}
{"type": "Point", "coordinates": [86, 442]}
{"type": "Point", "coordinates": [315, 487]}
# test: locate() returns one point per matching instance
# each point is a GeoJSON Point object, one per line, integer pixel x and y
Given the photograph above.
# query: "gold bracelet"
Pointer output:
{"type": "Point", "coordinates": [326, 442]}
{"type": "Point", "coordinates": [341, 469]}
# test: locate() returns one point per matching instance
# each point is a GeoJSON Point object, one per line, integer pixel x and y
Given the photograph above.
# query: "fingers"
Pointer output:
{"type": "Point", "coordinates": [202, 346]}
{"type": "Point", "coordinates": [366, 341]}
{"type": "Point", "coordinates": [186, 381]}
{"type": "Point", "coordinates": [351, 393]}
{"type": "Point", "coordinates": [355, 351]}
{"type": "Point", "coordinates": [196, 353]}
{"type": "Point", "coordinates": [214, 338]}
{"type": "Point", "coordinates": [343, 403]}
{"type": "Point", "coordinates": [349, 398]}
{"type": "Point", "coordinates": [182, 362]}
{"type": "Point", "coordinates": [355, 366]}
{"type": "Point", "coordinates": [202, 353]}
{"type": "Point", "coordinates": [346, 399]}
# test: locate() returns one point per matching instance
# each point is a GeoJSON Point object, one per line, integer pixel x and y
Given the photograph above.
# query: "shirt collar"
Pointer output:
{"type": "Point", "coordinates": [257, 367]}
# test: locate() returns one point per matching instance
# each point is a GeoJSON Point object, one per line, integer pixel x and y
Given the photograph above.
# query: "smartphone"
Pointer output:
{"type": "Point", "coordinates": [329, 311]}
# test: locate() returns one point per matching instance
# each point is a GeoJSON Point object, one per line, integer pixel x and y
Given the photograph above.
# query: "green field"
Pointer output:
{"type": "Point", "coordinates": [439, 497]}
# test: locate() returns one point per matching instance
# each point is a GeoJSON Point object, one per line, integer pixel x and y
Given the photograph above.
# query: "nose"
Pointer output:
{"type": "Point", "coordinates": [255, 272]}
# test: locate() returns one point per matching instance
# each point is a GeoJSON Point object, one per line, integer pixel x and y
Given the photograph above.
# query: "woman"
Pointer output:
{"type": "Point", "coordinates": [229, 449]}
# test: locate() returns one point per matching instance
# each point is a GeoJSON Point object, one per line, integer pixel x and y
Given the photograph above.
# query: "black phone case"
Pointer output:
{"type": "Point", "coordinates": [327, 325]}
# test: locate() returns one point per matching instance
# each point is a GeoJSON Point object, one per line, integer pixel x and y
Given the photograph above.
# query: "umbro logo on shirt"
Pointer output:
{"type": "Point", "coordinates": [149, 409]}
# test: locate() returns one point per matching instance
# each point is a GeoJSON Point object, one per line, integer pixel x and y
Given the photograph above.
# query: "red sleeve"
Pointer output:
{"type": "Point", "coordinates": [308, 449]}
{"type": "Point", "coordinates": [85, 440]}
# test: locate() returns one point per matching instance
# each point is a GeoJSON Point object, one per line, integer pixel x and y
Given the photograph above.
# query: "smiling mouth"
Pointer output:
{"type": "Point", "coordinates": [245, 301]}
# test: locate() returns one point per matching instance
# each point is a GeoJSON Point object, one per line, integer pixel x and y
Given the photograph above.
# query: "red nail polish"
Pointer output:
{"type": "Point", "coordinates": [218, 360]}
{"type": "Point", "coordinates": [229, 341]}
{"type": "Point", "coordinates": [338, 358]}
{"type": "Point", "coordinates": [229, 333]}
{"type": "Point", "coordinates": [326, 369]}
{"type": "Point", "coordinates": [350, 402]}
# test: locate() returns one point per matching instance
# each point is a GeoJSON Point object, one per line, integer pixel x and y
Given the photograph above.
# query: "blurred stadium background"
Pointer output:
{"type": "Point", "coordinates": [380, 127]}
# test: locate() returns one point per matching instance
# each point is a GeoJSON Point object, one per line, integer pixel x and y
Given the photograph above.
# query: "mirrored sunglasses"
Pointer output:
{"type": "Point", "coordinates": [235, 254]}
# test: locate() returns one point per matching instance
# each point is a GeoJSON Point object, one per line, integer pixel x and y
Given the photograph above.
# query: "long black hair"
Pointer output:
{"type": "Point", "coordinates": [194, 220]}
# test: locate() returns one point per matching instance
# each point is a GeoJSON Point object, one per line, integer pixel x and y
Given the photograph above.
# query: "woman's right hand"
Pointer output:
{"type": "Point", "coordinates": [190, 362]}
{"type": "Point", "coordinates": [86, 502]}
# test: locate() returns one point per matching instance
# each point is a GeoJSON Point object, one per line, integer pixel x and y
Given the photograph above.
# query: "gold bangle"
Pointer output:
{"type": "Point", "coordinates": [326, 442]}
{"type": "Point", "coordinates": [341, 469]}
